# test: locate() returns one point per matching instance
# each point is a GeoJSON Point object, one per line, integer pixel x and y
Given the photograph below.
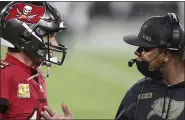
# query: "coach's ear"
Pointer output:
{"type": "Point", "coordinates": [167, 55]}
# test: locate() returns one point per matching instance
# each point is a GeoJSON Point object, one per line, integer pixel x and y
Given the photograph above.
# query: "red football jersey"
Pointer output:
{"type": "Point", "coordinates": [25, 98]}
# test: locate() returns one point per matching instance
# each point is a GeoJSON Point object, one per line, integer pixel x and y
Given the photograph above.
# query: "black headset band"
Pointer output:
{"type": "Point", "coordinates": [176, 32]}
{"type": "Point", "coordinates": [174, 19]}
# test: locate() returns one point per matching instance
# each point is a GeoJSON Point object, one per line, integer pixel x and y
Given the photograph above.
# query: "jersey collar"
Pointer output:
{"type": "Point", "coordinates": [15, 61]}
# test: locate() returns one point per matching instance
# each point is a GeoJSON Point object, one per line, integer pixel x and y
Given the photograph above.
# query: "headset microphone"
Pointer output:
{"type": "Point", "coordinates": [131, 62]}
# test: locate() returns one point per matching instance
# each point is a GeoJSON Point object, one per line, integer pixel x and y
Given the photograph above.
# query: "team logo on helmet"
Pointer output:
{"type": "Point", "coordinates": [25, 12]}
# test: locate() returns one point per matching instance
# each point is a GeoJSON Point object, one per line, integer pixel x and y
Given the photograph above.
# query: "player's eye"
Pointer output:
{"type": "Point", "coordinates": [40, 31]}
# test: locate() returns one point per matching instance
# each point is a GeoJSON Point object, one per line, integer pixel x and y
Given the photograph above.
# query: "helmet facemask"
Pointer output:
{"type": "Point", "coordinates": [55, 52]}
{"type": "Point", "coordinates": [44, 50]}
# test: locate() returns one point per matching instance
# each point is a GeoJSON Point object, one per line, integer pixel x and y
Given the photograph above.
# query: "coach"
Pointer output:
{"type": "Point", "coordinates": [160, 95]}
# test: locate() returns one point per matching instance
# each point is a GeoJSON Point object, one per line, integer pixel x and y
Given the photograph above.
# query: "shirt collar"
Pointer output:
{"type": "Point", "coordinates": [15, 61]}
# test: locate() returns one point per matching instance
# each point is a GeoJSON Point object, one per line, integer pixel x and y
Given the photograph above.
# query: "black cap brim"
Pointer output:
{"type": "Point", "coordinates": [136, 41]}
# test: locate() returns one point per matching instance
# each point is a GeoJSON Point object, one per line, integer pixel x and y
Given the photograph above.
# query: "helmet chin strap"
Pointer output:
{"type": "Point", "coordinates": [48, 72]}
{"type": "Point", "coordinates": [36, 75]}
{"type": "Point", "coordinates": [48, 65]}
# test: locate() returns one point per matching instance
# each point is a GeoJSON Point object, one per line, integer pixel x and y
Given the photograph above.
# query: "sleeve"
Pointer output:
{"type": "Point", "coordinates": [4, 91]}
{"type": "Point", "coordinates": [126, 108]}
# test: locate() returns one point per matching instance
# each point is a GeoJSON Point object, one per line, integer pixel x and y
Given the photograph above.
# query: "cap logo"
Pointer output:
{"type": "Point", "coordinates": [147, 38]}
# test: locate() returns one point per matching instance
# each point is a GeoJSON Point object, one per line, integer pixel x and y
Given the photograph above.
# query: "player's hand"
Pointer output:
{"type": "Point", "coordinates": [49, 115]}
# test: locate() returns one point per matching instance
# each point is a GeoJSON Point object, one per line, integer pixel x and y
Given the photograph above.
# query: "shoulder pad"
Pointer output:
{"type": "Point", "coordinates": [4, 64]}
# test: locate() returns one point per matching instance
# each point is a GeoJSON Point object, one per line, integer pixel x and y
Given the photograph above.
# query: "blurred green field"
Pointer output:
{"type": "Point", "coordinates": [91, 83]}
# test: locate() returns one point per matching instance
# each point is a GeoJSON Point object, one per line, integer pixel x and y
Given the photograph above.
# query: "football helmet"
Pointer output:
{"type": "Point", "coordinates": [23, 25]}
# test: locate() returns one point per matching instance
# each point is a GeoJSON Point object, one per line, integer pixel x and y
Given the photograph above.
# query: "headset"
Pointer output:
{"type": "Point", "coordinates": [174, 19]}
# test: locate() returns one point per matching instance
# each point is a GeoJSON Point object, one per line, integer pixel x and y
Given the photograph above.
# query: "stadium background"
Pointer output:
{"type": "Point", "coordinates": [95, 75]}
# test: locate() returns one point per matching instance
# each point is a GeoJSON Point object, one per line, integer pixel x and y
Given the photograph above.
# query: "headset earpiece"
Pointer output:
{"type": "Point", "coordinates": [174, 19]}
{"type": "Point", "coordinates": [179, 42]}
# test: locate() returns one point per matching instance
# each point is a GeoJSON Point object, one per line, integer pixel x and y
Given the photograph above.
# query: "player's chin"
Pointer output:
{"type": "Point", "coordinates": [38, 62]}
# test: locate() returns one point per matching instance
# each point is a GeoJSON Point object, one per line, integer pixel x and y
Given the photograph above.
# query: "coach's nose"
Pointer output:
{"type": "Point", "coordinates": [138, 54]}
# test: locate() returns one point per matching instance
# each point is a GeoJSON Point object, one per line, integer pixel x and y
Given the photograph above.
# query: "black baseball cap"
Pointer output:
{"type": "Point", "coordinates": [157, 31]}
